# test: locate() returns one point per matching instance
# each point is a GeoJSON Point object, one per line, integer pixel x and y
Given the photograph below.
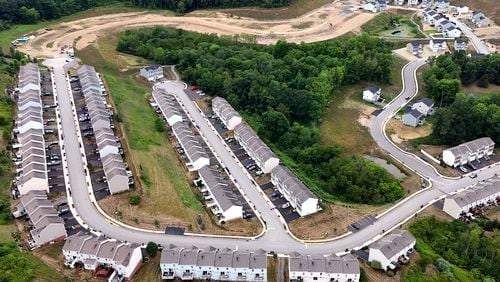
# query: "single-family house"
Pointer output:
{"type": "Point", "coordinates": [482, 194]}
{"type": "Point", "coordinates": [452, 32]}
{"type": "Point", "coordinates": [392, 249]}
{"type": "Point", "coordinates": [399, 2]}
{"type": "Point", "coordinates": [462, 9]}
{"type": "Point", "coordinates": [296, 193]}
{"type": "Point", "coordinates": [413, 118]}
{"type": "Point", "coordinates": [479, 19]}
{"type": "Point", "coordinates": [372, 7]}
{"type": "Point", "coordinates": [372, 94]}
{"type": "Point", "coordinates": [323, 268]}
{"type": "Point", "coordinates": [424, 106]}
{"type": "Point", "coordinates": [426, 3]}
{"type": "Point", "coordinates": [415, 48]}
{"type": "Point", "coordinates": [461, 44]}
{"type": "Point", "coordinates": [437, 19]}
{"type": "Point", "coordinates": [265, 159]}
{"type": "Point", "coordinates": [97, 252]}
{"type": "Point", "coordinates": [412, 3]}
{"type": "Point", "coordinates": [152, 73]}
{"type": "Point", "coordinates": [469, 152]}
{"type": "Point", "coordinates": [227, 114]}
{"type": "Point", "coordinates": [442, 4]}
{"type": "Point", "coordinates": [437, 45]}
{"type": "Point", "coordinates": [381, 5]}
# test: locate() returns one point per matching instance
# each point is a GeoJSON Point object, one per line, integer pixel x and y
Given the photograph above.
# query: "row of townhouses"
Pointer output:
{"type": "Point", "coordinates": [323, 268]}
{"type": "Point", "coordinates": [213, 264]}
{"type": "Point", "coordinates": [45, 225]}
{"type": "Point", "coordinates": [29, 130]}
{"type": "Point", "coordinates": [393, 249]}
{"type": "Point", "coordinates": [108, 146]}
{"type": "Point", "coordinates": [95, 253]}
{"type": "Point", "coordinates": [482, 194]}
{"type": "Point", "coordinates": [469, 153]}
{"type": "Point", "coordinates": [295, 192]}
{"type": "Point", "coordinates": [219, 192]}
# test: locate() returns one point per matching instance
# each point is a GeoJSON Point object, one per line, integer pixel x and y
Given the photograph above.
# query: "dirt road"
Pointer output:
{"type": "Point", "coordinates": [324, 23]}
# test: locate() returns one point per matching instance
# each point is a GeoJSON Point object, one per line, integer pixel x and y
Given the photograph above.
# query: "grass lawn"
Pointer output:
{"type": "Point", "coordinates": [296, 8]}
{"type": "Point", "coordinates": [149, 271]}
{"type": "Point", "coordinates": [384, 24]}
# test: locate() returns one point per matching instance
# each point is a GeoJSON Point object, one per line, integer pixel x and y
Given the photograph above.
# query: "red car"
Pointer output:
{"type": "Point", "coordinates": [193, 88]}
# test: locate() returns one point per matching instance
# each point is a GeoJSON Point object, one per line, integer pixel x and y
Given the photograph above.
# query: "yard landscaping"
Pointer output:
{"type": "Point", "coordinates": [167, 197]}
{"type": "Point", "coordinates": [393, 23]}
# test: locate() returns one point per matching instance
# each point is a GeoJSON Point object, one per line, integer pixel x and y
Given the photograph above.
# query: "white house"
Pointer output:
{"type": "Point", "coordinates": [265, 159]}
{"type": "Point", "coordinates": [152, 73]}
{"type": "Point", "coordinates": [415, 48]}
{"type": "Point", "coordinates": [452, 32]}
{"type": "Point", "coordinates": [462, 9]}
{"type": "Point", "coordinates": [399, 2]}
{"type": "Point", "coordinates": [171, 109]}
{"type": "Point", "coordinates": [193, 146]}
{"type": "Point", "coordinates": [412, 117]}
{"type": "Point", "coordinates": [460, 44]}
{"type": "Point", "coordinates": [460, 203]}
{"type": "Point", "coordinates": [424, 106]}
{"type": "Point", "coordinates": [392, 249]}
{"type": "Point", "coordinates": [372, 7]}
{"type": "Point", "coordinates": [428, 15]}
{"type": "Point", "coordinates": [412, 3]}
{"type": "Point", "coordinates": [220, 195]}
{"type": "Point", "coordinates": [479, 19]}
{"type": "Point", "coordinates": [469, 152]}
{"type": "Point", "coordinates": [96, 252]}
{"type": "Point", "coordinates": [323, 268]}
{"type": "Point", "coordinates": [437, 45]}
{"type": "Point", "coordinates": [296, 193]}
{"type": "Point", "coordinates": [426, 3]}
{"type": "Point", "coordinates": [213, 264]}
{"type": "Point", "coordinates": [372, 94]}
{"type": "Point", "coordinates": [227, 114]}
{"type": "Point", "coordinates": [442, 4]}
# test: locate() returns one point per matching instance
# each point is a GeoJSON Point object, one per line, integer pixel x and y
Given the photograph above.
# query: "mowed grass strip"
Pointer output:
{"type": "Point", "coordinates": [167, 190]}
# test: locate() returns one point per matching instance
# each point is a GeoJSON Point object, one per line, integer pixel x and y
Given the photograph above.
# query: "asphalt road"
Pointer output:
{"type": "Point", "coordinates": [276, 237]}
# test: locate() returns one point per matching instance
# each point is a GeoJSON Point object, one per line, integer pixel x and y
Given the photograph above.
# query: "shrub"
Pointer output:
{"type": "Point", "coordinates": [376, 264]}
{"type": "Point", "coordinates": [134, 200]}
{"type": "Point", "coordinates": [152, 249]}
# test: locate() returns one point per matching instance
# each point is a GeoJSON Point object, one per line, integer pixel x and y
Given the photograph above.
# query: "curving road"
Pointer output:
{"type": "Point", "coordinates": [276, 238]}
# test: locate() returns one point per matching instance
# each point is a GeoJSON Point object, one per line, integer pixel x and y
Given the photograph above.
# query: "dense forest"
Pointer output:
{"type": "Point", "coordinates": [462, 117]}
{"type": "Point", "coordinates": [282, 90]}
{"type": "Point", "coordinates": [32, 11]}
{"type": "Point", "coordinates": [445, 246]}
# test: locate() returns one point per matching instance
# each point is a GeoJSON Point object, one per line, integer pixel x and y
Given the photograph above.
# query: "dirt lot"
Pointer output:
{"type": "Point", "coordinates": [400, 133]}
{"type": "Point", "coordinates": [332, 221]}
{"type": "Point", "coordinates": [322, 24]}
{"type": "Point", "coordinates": [436, 151]}
{"type": "Point", "coordinates": [489, 7]}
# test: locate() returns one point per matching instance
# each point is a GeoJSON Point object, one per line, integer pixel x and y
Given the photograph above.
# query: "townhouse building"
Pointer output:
{"type": "Point", "coordinates": [265, 159]}
{"type": "Point", "coordinates": [393, 249]}
{"type": "Point", "coordinates": [469, 152]}
{"type": "Point", "coordinates": [323, 268]}
{"type": "Point", "coordinates": [93, 253]}
{"type": "Point", "coordinates": [482, 194]}
{"type": "Point", "coordinates": [171, 109]}
{"type": "Point", "coordinates": [29, 130]}
{"type": "Point", "coordinates": [45, 225]}
{"type": "Point", "coordinates": [213, 264]}
{"type": "Point", "coordinates": [297, 194]}
{"type": "Point", "coordinates": [226, 113]}
{"type": "Point", "coordinates": [220, 194]}
{"type": "Point", "coordinates": [193, 146]}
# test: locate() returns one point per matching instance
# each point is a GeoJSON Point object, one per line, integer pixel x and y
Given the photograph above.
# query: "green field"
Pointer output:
{"type": "Point", "coordinates": [384, 24]}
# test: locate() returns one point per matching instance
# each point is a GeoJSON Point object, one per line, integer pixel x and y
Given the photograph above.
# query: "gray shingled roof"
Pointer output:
{"type": "Point", "coordinates": [193, 145]}
{"type": "Point", "coordinates": [472, 146]}
{"type": "Point", "coordinates": [394, 242]}
{"type": "Point", "coordinates": [255, 145]}
{"type": "Point", "coordinates": [416, 114]}
{"type": "Point", "coordinates": [170, 255]}
{"type": "Point", "coordinates": [224, 258]}
{"type": "Point", "coordinates": [476, 193]}
{"type": "Point", "coordinates": [226, 111]}
{"type": "Point", "coordinates": [219, 186]}
{"type": "Point", "coordinates": [291, 183]}
{"type": "Point", "coordinates": [167, 103]}
{"type": "Point", "coordinates": [189, 256]}
{"type": "Point", "coordinates": [241, 259]}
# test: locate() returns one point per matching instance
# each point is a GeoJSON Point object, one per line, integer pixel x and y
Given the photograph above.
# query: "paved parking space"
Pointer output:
{"type": "Point", "coordinates": [362, 223]}
{"type": "Point", "coordinates": [99, 195]}
{"type": "Point", "coordinates": [475, 165]}
{"type": "Point", "coordinates": [175, 230]}
{"type": "Point", "coordinates": [266, 186]}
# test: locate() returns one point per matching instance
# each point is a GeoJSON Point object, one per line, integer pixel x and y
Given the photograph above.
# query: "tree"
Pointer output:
{"type": "Point", "coordinates": [152, 249]}
{"type": "Point", "coordinates": [376, 264]}
{"type": "Point", "coordinates": [29, 15]}
{"type": "Point", "coordinates": [274, 125]}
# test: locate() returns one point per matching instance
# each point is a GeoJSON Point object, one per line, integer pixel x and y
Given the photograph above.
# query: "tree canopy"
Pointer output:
{"type": "Point", "coordinates": [283, 90]}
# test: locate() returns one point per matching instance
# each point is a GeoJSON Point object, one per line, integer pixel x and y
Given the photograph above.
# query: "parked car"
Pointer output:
{"type": "Point", "coordinates": [284, 206]}
{"type": "Point", "coordinates": [259, 172]}
{"type": "Point", "coordinates": [275, 194]}
{"type": "Point", "coordinates": [473, 175]}
{"type": "Point", "coordinates": [247, 215]}
{"type": "Point", "coordinates": [194, 87]}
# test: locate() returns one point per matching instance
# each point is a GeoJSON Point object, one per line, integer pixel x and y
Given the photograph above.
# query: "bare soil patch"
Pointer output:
{"type": "Point", "coordinates": [401, 132]}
